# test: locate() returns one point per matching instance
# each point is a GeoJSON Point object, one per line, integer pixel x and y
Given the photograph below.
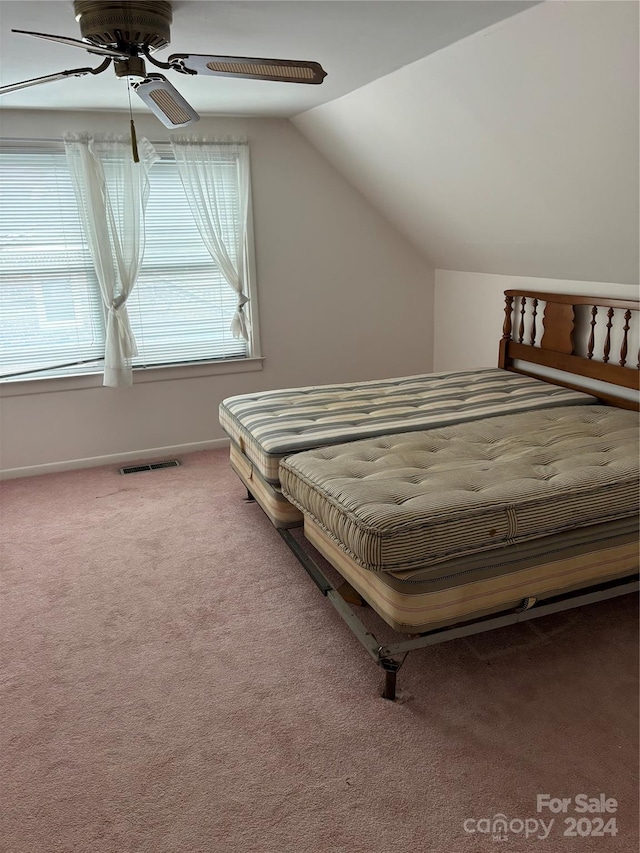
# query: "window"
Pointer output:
{"type": "Point", "coordinates": [50, 306]}
{"type": "Point", "coordinates": [51, 314]}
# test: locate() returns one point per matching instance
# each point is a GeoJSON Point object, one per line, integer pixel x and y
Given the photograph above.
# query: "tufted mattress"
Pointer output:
{"type": "Point", "coordinates": [266, 426]}
{"type": "Point", "coordinates": [462, 520]}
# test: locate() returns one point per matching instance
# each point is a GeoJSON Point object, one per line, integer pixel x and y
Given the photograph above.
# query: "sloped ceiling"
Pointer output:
{"type": "Point", "coordinates": [513, 151]}
{"type": "Point", "coordinates": [355, 40]}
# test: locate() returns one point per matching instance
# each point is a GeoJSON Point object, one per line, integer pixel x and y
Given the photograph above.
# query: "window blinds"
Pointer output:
{"type": "Point", "coordinates": [51, 313]}
{"type": "Point", "coordinates": [50, 310]}
{"type": "Point", "coordinates": [181, 307]}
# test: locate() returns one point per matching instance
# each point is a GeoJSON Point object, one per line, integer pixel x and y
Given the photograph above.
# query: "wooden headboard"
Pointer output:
{"type": "Point", "coordinates": [592, 337]}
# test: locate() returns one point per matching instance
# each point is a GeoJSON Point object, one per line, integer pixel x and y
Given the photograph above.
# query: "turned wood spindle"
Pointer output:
{"type": "Point", "coordinates": [523, 304]}
{"type": "Point", "coordinates": [623, 348]}
{"type": "Point", "coordinates": [607, 343]}
{"type": "Point", "coordinates": [592, 338]}
{"type": "Point", "coordinates": [508, 310]}
{"type": "Point", "coordinates": [533, 324]}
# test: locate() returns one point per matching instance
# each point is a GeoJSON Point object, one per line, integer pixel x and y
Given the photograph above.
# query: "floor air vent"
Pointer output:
{"type": "Point", "coordinates": [151, 466]}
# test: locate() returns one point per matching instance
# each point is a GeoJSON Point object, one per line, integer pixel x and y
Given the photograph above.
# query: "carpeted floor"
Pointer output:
{"type": "Point", "coordinates": [173, 682]}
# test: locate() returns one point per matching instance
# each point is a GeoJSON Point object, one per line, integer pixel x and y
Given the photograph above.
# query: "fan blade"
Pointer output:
{"type": "Point", "coordinates": [165, 102]}
{"type": "Point", "coordinates": [85, 45]}
{"type": "Point", "coordinates": [282, 70]}
{"type": "Point", "coordinates": [49, 78]}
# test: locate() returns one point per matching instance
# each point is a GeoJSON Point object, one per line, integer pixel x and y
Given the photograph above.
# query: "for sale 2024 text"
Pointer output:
{"type": "Point", "coordinates": [592, 813]}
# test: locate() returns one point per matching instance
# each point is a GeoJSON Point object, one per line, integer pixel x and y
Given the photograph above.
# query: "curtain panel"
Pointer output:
{"type": "Point", "coordinates": [204, 171]}
{"type": "Point", "coordinates": [112, 193]}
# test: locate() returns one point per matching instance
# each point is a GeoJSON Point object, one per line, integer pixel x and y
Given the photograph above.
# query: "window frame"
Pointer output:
{"type": "Point", "coordinates": [90, 377]}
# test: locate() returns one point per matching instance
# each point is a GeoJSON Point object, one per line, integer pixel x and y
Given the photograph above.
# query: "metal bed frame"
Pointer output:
{"type": "Point", "coordinates": [391, 656]}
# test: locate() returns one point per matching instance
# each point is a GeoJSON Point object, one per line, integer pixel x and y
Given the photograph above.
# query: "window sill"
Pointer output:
{"type": "Point", "coordinates": [166, 373]}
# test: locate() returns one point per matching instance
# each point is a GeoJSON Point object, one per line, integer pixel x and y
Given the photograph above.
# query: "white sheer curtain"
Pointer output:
{"type": "Point", "coordinates": [205, 167]}
{"type": "Point", "coordinates": [112, 193]}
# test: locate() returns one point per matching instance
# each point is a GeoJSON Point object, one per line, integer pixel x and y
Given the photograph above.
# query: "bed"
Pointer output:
{"type": "Point", "coordinates": [268, 426]}
{"type": "Point", "coordinates": [482, 518]}
{"type": "Point", "coordinates": [438, 526]}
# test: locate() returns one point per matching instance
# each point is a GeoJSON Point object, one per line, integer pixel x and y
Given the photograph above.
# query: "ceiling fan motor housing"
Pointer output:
{"type": "Point", "coordinates": [135, 23]}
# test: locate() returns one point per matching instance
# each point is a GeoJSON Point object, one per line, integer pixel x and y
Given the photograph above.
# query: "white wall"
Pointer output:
{"type": "Point", "coordinates": [342, 297]}
{"type": "Point", "coordinates": [513, 151]}
{"type": "Point", "coordinates": [469, 312]}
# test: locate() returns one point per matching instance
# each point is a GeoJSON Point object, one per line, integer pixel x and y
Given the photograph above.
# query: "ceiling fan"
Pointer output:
{"type": "Point", "coordinates": [126, 34]}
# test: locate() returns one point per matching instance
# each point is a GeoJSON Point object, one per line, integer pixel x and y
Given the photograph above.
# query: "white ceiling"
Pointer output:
{"type": "Point", "coordinates": [356, 41]}
{"type": "Point", "coordinates": [516, 150]}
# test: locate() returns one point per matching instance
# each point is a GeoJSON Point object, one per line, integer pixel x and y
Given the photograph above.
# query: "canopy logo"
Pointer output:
{"type": "Point", "coordinates": [499, 826]}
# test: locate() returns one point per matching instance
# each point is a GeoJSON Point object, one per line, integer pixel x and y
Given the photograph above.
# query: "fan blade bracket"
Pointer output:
{"type": "Point", "coordinates": [165, 102]}
{"type": "Point", "coordinates": [251, 68]}
{"type": "Point", "coordinates": [171, 66]}
{"type": "Point", "coordinates": [179, 66]}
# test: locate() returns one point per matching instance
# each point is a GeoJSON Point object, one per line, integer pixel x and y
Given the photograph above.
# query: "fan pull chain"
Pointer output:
{"type": "Point", "coordinates": [134, 139]}
{"type": "Point", "coordinates": [134, 143]}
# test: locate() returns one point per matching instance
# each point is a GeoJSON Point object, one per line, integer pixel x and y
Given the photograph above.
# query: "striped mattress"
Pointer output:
{"type": "Point", "coordinates": [269, 425]}
{"type": "Point", "coordinates": [463, 520]}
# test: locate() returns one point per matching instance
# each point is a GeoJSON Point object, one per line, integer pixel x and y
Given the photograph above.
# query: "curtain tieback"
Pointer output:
{"type": "Point", "coordinates": [242, 301]}
{"type": "Point", "coordinates": [118, 302]}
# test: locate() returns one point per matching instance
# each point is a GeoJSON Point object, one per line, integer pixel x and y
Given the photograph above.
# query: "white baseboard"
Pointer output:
{"type": "Point", "coordinates": [112, 459]}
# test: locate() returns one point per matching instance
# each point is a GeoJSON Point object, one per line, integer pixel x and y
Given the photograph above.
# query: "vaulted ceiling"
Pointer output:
{"type": "Point", "coordinates": [513, 151]}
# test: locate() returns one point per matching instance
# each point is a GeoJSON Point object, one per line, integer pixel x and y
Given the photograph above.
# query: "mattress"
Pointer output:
{"type": "Point", "coordinates": [454, 523]}
{"type": "Point", "coordinates": [472, 588]}
{"type": "Point", "coordinates": [276, 507]}
{"type": "Point", "coordinates": [409, 501]}
{"type": "Point", "coordinates": [269, 425]}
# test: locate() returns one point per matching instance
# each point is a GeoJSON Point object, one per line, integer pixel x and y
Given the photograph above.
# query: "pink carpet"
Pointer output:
{"type": "Point", "coordinates": [173, 682]}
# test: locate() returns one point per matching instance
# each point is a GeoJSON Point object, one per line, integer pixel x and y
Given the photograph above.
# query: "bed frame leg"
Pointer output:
{"type": "Point", "coordinates": [391, 666]}
{"type": "Point", "coordinates": [389, 691]}
{"type": "Point", "coordinates": [249, 498]}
